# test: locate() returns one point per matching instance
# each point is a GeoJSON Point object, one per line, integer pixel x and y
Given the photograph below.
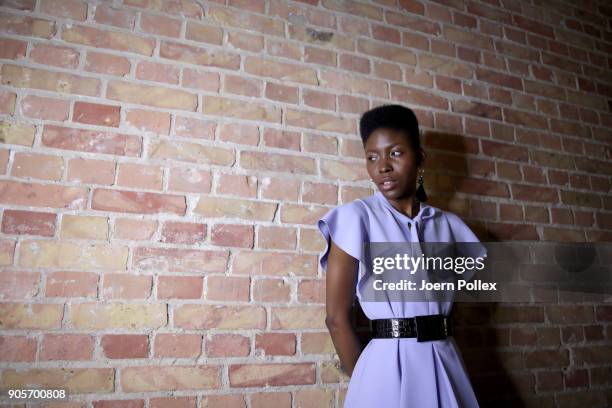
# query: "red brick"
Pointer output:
{"type": "Point", "coordinates": [156, 24]}
{"type": "Point", "coordinates": [189, 180]}
{"type": "Point", "coordinates": [156, 96]}
{"type": "Point", "coordinates": [232, 235]}
{"type": "Point", "coordinates": [72, 9]}
{"type": "Point", "coordinates": [178, 345]}
{"type": "Point", "coordinates": [532, 25]}
{"type": "Point", "coordinates": [483, 187]}
{"type": "Point", "coordinates": [108, 15]}
{"type": "Point", "coordinates": [570, 314]}
{"type": "Point", "coordinates": [121, 346]}
{"type": "Point", "coordinates": [276, 237]}
{"type": "Point", "coordinates": [183, 232]}
{"type": "Point", "coordinates": [204, 33]}
{"type": "Point", "coordinates": [271, 399]}
{"type": "Point", "coordinates": [275, 344]}
{"type": "Point", "coordinates": [186, 8]}
{"type": "Point", "coordinates": [194, 128]}
{"type": "Point", "coordinates": [534, 193]}
{"type": "Point", "coordinates": [179, 287]}
{"type": "Point", "coordinates": [228, 345]}
{"type": "Point", "coordinates": [561, 216]}
{"type": "Point", "coordinates": [47, 54]}
{"type": "Point", "coordinates": [96, 114]}
{"type": "Point", "coordinates": [246, 41]}
{"type": "Point", "coordinates": [92, 141]}
{"type": "Point", "coordinates": [281, 139]}
{"type": "Point", "coordinates": [317, 343]}
{"type": "Point", "coordinates": [169, 378]}
{"type": "Point", "coordinates": [72, 284]}
{"type": "Point", "coordinates": [179, 260]}
{"type": "Point", "coordinates": [28, 222]}
{"type": "Point", "coordinates": [199, 56]}
{"type": "Point", "coordinates": [19, 285]}
{"type": "Point", "coordinates": [279, 374]}
{"type": "Point", "coordinates": [140, 176]}
{"type": "Point", "coordinates": [24, 77]}
{"type": "Point", "coordinates": [284, 49]}
{"type": "Point", "coordinates": [311, 291]}
{"type": "Point", "coordinates": [283, 93]}
{"type": "Point", "coordinates": [320, 56]}
{"type": "Point", "coordinates": [238, 85]}
{"type": "Point", "coordinates": [223, 401]}
{"type": "Point", "coordinates": [271, 290]}
{"type": "Point", "coordinates": [12, 49]}
{"type": "Point", "coordinates": [239, 133]}
{"type": "Point", "coordinates": [546, 358]}
{"type": "Point", "coordinates": [505, 151]}
{"type": "Point", "coordinates": [107, 64]}
{"type": "Point", "coordinates": [126, 286]}
{"type": "Point", "coordinates": [42, 195]}
{"type": "Point", "coordinates": [40, 166]}
{"type": "Point", "coordinates": [41, 107]}
{"type": "Point", "coordinates": [273, 263]}
{"type": "Point", "coordinates": [509, 212]}
{"type": "Point", "coordinates": [504, 231]}
{"type": "Point", "coordinates": [67, 347]}
{"type": "Point", "coordinates": [228, 288]}
{"type": "Point", "coordinates": [131, 229]}
{"type": "Point", "coordinates": [152, 71]}
{"type": "Point", "coordinates": [17, 349]}
{"type": "Point", "coordinates": [114, 40]}
{"type": "Point", "coordinates": [207, 81]}
{"type": "Point", "coordinates": [238, 185]}
{"type": "Point", "coordinates": [197, 316]}
{"type": "Point", "coordinates": [91, 171]}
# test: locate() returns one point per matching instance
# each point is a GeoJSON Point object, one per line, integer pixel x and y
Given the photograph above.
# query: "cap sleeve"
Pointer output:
{"type": "Point", "coordinates": [344, 225]}
{"type": "Point", "coordinates": [462, 233]}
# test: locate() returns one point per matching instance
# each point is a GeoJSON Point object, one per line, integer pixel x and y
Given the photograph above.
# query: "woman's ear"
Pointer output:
{"type": "Point", "coordinates": [421, 156]}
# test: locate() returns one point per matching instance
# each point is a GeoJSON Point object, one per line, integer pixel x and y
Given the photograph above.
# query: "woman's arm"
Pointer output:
{"type": "Point", "coordinates": [342, 272]}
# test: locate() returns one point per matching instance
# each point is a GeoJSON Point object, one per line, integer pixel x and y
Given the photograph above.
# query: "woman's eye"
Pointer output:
{"type": "Point", "coordinates": [397, 151]}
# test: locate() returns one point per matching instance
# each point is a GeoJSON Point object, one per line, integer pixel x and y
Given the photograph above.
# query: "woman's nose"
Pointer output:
{"type": "Point", "coordinates": [383, 166]}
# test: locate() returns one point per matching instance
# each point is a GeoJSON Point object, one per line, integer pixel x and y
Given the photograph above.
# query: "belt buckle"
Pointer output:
{"type": "Point", "coordinates": [395, 328]}
{"type": "Point", "coordinates": [428, 327]}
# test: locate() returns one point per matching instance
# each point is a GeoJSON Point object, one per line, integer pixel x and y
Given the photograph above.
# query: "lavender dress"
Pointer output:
{"type": "Point", "coordinates": [400, 372]}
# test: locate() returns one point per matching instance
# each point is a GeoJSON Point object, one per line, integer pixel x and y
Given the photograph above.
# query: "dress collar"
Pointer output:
{"type": "Point", "coordinates": [425, 211]}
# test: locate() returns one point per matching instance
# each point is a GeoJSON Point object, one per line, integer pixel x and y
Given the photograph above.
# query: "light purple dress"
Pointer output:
{"type": "Point", "coordinates": [400, 372]}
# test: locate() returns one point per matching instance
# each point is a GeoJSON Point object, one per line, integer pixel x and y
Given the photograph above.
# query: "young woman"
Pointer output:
{"type": "Point", "coordinates": [395, 369]}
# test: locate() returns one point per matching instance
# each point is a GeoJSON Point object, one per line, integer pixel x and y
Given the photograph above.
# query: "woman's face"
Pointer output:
{"type": "Point", "coordinates": [389, 155]}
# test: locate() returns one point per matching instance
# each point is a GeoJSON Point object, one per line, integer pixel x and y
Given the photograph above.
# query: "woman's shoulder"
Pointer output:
{"type": "Point", "coordinates": [447, 215]}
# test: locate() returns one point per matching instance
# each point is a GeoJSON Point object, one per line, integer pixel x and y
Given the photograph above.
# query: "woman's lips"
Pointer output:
{"type": "Point", "coordinates": [388, 185]}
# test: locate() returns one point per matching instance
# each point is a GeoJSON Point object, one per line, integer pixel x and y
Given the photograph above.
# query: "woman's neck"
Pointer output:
{"type": "Point", "coordinates": [409, 206]}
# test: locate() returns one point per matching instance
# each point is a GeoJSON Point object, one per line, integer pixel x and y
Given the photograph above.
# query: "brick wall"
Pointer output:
{"type": "Point", "coordinates": [164, 163]}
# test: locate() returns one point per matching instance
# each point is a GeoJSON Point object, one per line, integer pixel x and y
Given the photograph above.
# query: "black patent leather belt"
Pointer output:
{"type": "Point", "coordinates": [424, 328]}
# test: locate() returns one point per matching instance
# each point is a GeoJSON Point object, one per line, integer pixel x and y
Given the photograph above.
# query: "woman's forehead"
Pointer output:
{"type": "Point", "coordinates": [386, 138]}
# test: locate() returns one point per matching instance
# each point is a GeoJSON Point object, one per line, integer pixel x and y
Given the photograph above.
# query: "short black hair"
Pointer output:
{"type": "Point", "coordinates": [395, 117]}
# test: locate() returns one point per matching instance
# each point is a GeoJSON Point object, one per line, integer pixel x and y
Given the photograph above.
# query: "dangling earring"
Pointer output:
{"type": "Point", "coordinates": [420, 193]}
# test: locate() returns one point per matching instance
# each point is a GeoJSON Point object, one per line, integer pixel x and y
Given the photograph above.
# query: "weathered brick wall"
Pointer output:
{"type": "Point", "coordinates": [164, 163]}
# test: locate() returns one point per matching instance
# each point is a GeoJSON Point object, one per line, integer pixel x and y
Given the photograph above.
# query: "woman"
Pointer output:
{"type": "Point", "coordinates": [392, 372]}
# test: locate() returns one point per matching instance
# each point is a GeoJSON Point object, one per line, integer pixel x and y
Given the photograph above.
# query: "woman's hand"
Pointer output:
{"type": "Point", "coordinates": [342, 270]}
